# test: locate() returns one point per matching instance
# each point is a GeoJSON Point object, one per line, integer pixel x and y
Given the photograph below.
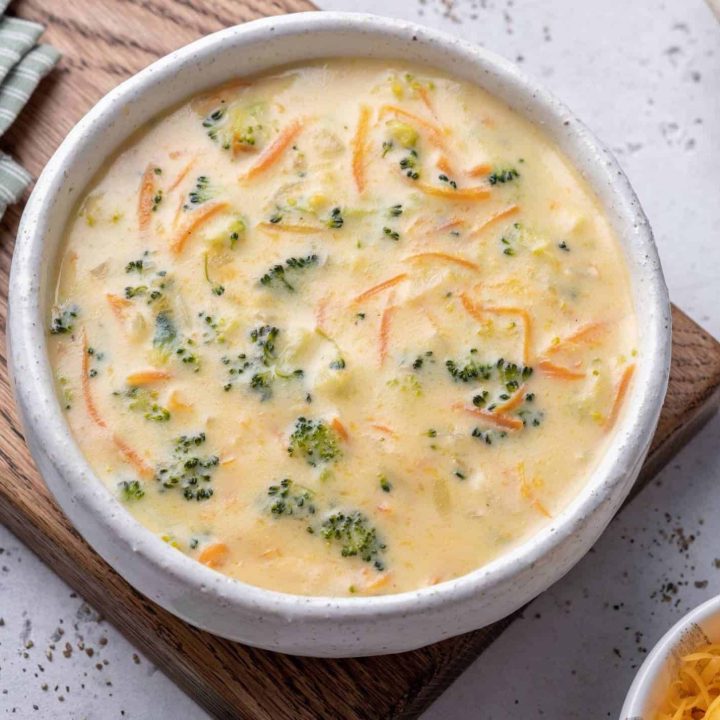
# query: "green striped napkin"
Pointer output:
{"type": "Point", "coordinates": [23, 64]}
{"type": "Point", "coordinates": [13, 181]}
{"type": "Point", "coordinates": [16, 38]}
{"type": "Point", "coordinates": [22, 80]}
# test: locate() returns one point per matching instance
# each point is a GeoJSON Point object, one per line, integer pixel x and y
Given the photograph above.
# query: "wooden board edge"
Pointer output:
{"type": "Point", "coordinates": [677, 440]}
{"type": "Point", "coordinates": [157, 652]}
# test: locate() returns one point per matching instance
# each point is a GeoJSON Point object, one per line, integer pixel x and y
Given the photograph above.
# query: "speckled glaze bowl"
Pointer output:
{"type": "Point", "coordinates": [321, 626]}
{"type": "Point", "coordinates": [699, 627]}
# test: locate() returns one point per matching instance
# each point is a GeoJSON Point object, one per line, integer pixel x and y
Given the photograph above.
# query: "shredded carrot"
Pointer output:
{"type": "Point", "coordinates": [585, 334]}
{"type": "Point", "coordinates": [620, 393]}
{"type": "Point", "coordinates": [359, 146]}
{"type": "Point", "coordinates": [175, 402]}
{"type": "Point", "coordinates": [197, 218]}
{"type": "Point", "coordinates": [444, 256]}
{"type": "Point", "coordinates": [444, 164]}
{"type": "Point", "coordinates": [133, 457]}
{"type": "Point", "coordinates": [118, 305]}
{"type": "Point", "coordinates": [321, 313]}
{"type": "Point", "coordinates": [558, 371]}
{"type": "Point", "coordinates": [270, 553]}
{"type": "Point", "coordinates": [384, 429]}
{"type": "Point", "coordinates": [515, 400]}
{"type": "Point", "coordinates": [495, 217]}
{"type": "Point", "coordinates": [178, 211]}
{"type": "Point", "coordinates": [238, 146]}
{"type": "Point", "coordinates": [422, 91]}
{"type": "Point", "coordinates": [182, 175]}
{"type": "Point", "coordinates": [145, 198]}
{"type": "Point", "coordinates": [85, 382]}
{"type": "Point", "coordinates": [445, 191]}
{"type": "Point", "coordinates": [147, 377]}
{"type": "Point", "coordinates": [130, 455]}
{"type": "Point", "coordinates": [271, 154]}
{"type": "Point", "coordinates": [380, 287]}
{"type": "Point", "coordinates": [434, 131]}
{"type": "Point", "coordinates": [450, 224]}
{"type": "Point", "coordinates": [492, 418]}
{"type": "Point", "coordinates": [526, 490]}
{"type": "Point", "coordinates": [439, 328]}
{"type": "Point", "coordinates": [527, 324]}
{"type": "Point", "coordinates": [541, 508]}
{"type": "Point", "coordinates": [480, 170]}
{"type": "Point", "coordinates": [214, 555]}
{"type": "Point", "coordinates": [378, 582]}
{"type": "Point", "coordinates": [289, 228]}
{"type": "Point", "coordinates": [477, 311]}
{"type": "Point", "coordinates": [340, 429]}
{"type": "Point", "coordinates": [470, 306]}
{"type": "Point", "coordinates": [385, 322]}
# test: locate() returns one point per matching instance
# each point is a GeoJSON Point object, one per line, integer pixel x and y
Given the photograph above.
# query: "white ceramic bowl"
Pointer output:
{"type": "Point", "coordinates": [646, 694]}
{"type": "Point", "coordinates": [321, 626]}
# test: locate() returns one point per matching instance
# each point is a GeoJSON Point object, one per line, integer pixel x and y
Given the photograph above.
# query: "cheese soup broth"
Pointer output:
{"type": "Point", "coordinates": [352, 327]}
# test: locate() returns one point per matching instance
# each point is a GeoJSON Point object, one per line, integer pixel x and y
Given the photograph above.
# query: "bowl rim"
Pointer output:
{"type": "Point", "coordinates": [636, 701]}
{"type": "Point", "coordinates": [28, 339]}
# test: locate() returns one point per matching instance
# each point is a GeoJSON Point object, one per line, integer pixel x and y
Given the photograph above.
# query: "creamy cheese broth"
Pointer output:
{"type": "Point", "coordinates": [352, 327]}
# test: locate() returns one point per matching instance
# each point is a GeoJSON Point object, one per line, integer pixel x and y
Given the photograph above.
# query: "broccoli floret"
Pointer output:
{"type": "Point", "coordinates": [165, 331]}
{"type": "Point", "coordinates": [471, 370]}
{"type": "Point", "coordinates": [63, 318]}
{"type": "Point", "coordinates": [131, 490]}
{"type": "Point", "coordinates": [211, 122]}
{"type": "Point", "coordinates": [409, 163]}
{"type": "Point", "coordinates": [136, 266]}
{"type": "Point", "coordinates": [153, 289]}
{"type": "Point", "coordinates": [144, 401]}
{"type": "Point", "coordinates": [265, 364]}
{"type": "Point", "coordinates": [187, 470]}
{"type": "Point", "coordinates": [289, 498]}
{"type": "Point", "coordinates": [511, 374]}
{"type": "Point", "coordinates": [336, 220]}
{"type": "Point", "coordinates": [217, 288]}
{"type": "Point", "coordinates": [355, 536]}
{"type": "Point", "coordinates": [166, 339]}
{"type": "Point", "coordinates": [264, 337]}
{"type": "Point", "coordinates": [488, 436]}
{"type": "Point", "coordinates": [503, 176]}
{"type": "Point", "coordinates": [279, 273]}
{"type": "Point", "coordinates": [315, 441]}
{"type": "Point", "coordinates": [200, 193]}
{"type": "Point", "coordinates": [261, 382]}
{"type": "Point", "coordinates": [276, 274]}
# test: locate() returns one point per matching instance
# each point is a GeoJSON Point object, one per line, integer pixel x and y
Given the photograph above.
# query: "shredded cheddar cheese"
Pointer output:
{"type": "Point", "coordinates": [695, 692]}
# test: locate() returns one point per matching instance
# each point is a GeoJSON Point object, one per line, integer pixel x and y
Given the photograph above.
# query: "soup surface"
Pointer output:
{"type": "Point", "coordinates": [352, 327]}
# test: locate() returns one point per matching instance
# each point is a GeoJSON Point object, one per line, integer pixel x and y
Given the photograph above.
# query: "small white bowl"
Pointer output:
{"type": "Point", "coordinates": [322, 626]}
{"type": "Point", "coordinates": [699, 627]}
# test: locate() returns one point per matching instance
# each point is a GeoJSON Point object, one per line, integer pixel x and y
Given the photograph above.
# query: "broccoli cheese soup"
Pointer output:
{"type": "Point", "coordinates": [351, 327]}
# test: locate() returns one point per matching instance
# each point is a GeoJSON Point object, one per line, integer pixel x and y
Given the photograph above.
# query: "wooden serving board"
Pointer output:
{"type": "Point", "coordinates": [104, 42]}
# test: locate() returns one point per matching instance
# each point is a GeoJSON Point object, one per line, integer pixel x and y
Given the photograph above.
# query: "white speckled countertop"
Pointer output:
{"type": "Point", "coordinates": [645, 76]}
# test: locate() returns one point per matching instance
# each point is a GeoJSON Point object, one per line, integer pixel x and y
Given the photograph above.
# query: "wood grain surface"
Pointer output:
{"type": "Point", "coordinates": [103, 42]}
